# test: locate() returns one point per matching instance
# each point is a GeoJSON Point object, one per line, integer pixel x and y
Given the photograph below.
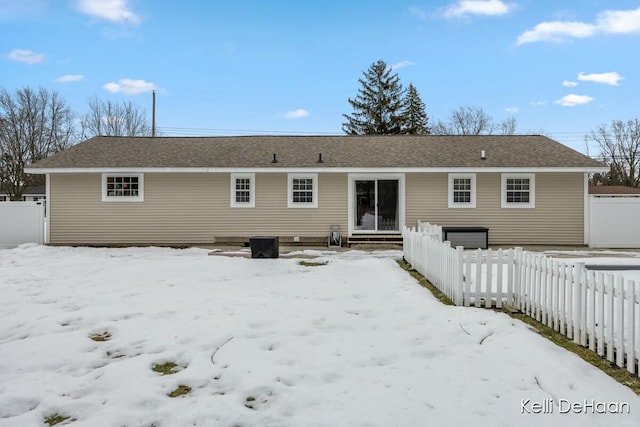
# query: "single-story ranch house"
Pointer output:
{"type": "Point", "coordinates": [203, 190]}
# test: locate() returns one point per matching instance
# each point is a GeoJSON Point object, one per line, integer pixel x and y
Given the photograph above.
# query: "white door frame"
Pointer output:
{"type": "Point", "coordinates": [351, 206]}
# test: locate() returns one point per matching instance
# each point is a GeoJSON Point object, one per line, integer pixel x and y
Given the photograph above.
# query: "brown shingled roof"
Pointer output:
{"type": "Point", "coordinates": [388, 151]}
{"type": "Point", "coordinates": [613, 189]}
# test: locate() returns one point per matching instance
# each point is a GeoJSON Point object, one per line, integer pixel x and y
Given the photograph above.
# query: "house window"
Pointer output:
{"type": "Point", "coordinates": [518, 191]}
{"type": "Point", "coordinates": [122, 187]}
{"type": "Point", "coordinates": [303, 191]}
{"type": "Point", "coordinates": [462, 190]}
{"type": "Point", "coordinates": [243, 190]}
{"type": "Point", "coordinates": [3, 198]}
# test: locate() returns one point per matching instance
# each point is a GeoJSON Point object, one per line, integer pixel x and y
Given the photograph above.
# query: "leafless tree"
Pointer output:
{"type": "Point", "coordinates": [107, 118]}
{"type": "Point", "coordinates": [508, 126]}
{"type": "Point", "coordinates": [33, 125]}
{"type": "Point", "coordinates": [620, 148]}
{"type": "Point", "coordinates": [469, 120]}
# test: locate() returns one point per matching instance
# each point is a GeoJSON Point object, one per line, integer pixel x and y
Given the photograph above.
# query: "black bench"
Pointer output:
{"type": "Point", "coordinates": [469, 237]}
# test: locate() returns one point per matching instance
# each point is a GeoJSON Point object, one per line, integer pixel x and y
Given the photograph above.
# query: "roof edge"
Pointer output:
{"type": "Point", "coordinates": [42, 171]}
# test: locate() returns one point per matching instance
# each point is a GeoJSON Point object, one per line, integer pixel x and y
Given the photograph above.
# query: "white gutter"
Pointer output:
{"type": "Point", "coordinates": [313, 170]}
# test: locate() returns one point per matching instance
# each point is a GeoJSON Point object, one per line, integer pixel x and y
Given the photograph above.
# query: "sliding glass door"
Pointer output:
{"type": "Point", "coordinates": [376, 205]}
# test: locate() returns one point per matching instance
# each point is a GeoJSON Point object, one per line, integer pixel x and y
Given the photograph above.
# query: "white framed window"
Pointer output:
{"type": "Point", "coordinates": [118, 187]}
{"type": "Point", "coordinates": [518, 190]}
{"type": "Point", "coordinates": [243, 190]}
{"type": "Point", "coordinates": [302, 190]}
{"type": "Point", "coordinates": [462, 190]}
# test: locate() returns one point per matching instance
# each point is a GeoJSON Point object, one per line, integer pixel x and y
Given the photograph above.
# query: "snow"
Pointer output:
{"type": "Point", "coordinates": [605, 258]}
{"type": "Point", "coordinates": [355, 342]}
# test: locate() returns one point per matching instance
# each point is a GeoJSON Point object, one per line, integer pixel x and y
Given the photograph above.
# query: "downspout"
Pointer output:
{"type": "Point", "coordinates": [47, 209]}
{"type": "Point", "coordinates": [587, 212]}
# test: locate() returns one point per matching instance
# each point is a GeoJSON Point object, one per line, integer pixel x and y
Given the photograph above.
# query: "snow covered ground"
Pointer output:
{"type": "Point", "coordinates": [355, 342]}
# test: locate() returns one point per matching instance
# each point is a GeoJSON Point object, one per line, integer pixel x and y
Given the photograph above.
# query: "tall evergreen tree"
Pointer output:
{"type": "Point", "coordinates": [377, 108]}
{"type": "Point", "coordinates": [414, 112]}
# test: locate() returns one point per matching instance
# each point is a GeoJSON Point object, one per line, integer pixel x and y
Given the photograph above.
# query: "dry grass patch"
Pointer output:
{"type": "Point", "coordinates": [56, 418]}
{"type": "Point", "coordinates": [182, 390]}
{"type": "Point", "coordinates": [167, 368]}
{"type": "Point", "coordinates": [313, 263]}
{"type": "Point", "coordinates": [102, 337]}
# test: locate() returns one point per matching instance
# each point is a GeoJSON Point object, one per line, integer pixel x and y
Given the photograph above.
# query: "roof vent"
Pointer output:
{"type": "Point", "coordinates": [274, 159]}
{"type": "Point", "coordinates": [320, 158]}
{"type": "Point", "coordinates": [483, 156]}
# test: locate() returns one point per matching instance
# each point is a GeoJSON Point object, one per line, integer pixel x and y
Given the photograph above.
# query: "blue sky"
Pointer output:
{"type": "Point", "coordinates": [287, 67]}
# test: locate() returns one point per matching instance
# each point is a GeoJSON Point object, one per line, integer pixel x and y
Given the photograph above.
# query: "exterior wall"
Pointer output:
{"type": "Point", "coordinates": [557, 219]}
{"type": "Point", "coordinates": [195, 209]}
{"type": "Point", "coordinates": [190, 208]}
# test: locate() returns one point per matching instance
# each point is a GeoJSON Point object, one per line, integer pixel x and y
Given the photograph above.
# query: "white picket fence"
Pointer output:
{"type": "Point", "coordinates": [600, 311]}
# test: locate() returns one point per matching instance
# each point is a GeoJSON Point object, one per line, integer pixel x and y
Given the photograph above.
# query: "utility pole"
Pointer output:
{"type": "Point", "coordinates": [153, 114]}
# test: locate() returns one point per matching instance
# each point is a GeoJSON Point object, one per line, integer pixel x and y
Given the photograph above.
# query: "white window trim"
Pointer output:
{"type": "Point", "coordinates": [472, 203]}
{"type": "Point", "coordinates": [252, 190]}
{"type": "Point", "coordinates": [138, 198]}
{"type": "Point", "coordinates": [532, 191]}
{"type": "Point", "coordinates": [290, 178]}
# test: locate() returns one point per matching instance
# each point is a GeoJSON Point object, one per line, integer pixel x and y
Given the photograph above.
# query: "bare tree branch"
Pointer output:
{"type": "Point", "coordinates": [469, 120]}
{"type": "Point", "coordinates": [33, 125]}
{"type": "Point", "coordinates": [619, 146]}
{"type": "Point", "coordinates": [107, 118]}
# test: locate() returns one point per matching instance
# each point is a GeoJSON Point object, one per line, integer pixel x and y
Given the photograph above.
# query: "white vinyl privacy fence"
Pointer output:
{"type": "Point", "coordinates": [614, 222]}
{"type": "Point", "coordinates": [600, 311]}
{"type": "Point", "coordinates": [21, 222]}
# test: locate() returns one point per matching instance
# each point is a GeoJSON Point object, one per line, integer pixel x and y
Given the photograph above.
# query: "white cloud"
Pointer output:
{"type": "Point", "coordinates": [611, 78]}
{"type": "Point", "coordinates": [477, 7]}
{"type": "Point", "coordinates": [512, 110]}
{"type": "Point", "coordinates": [129, 86]}
{"type": "Point", "coordinates": [296, 114]}
{"type": "Point", "coordinates": [69, 78]}
{"type": "Point", "coordinates": [619, 21]}
{"type": "Point", "coordinates": [572, 100]}
{"type": "Point", "coordinates": [556, 31]}
{"type": "Point", "coordinates": [607, 22]}
{"type": "Point", "coordinates": [402, 64]}
{"type": "Point", "coordinates": [568, 83]}
{"type": "Point", "coordinates": [539, 103]}
{"type": "Point", "coordinates": [110, 10]}
{"type": "Point", "coordinates": [26, 56]}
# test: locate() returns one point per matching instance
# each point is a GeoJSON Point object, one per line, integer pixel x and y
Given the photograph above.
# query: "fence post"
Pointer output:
{"type": "Point", "coordinates": [578, 303]}
{"type": "Point", "coordinates": [517, 278]}
{"type": "Point", "coordinates": [631, 327]}
{"type": "Point", "coordinates": [459, 275]}
{"type": "Point", "coordinates": [620, 309]}
{"type": "Point", "coordinates": [499, 279]}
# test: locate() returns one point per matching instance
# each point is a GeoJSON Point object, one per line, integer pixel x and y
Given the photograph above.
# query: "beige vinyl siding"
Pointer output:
{"type": "Point", "coordinates": [189, 208]}
{"type": "Point", "coordinates": [557, 218]}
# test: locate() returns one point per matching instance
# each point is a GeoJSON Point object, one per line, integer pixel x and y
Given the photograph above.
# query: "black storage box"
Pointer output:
{"type": "Point", "coordinates": [264, 247]}
{"type": "Point", "coordinates": [469, 237]}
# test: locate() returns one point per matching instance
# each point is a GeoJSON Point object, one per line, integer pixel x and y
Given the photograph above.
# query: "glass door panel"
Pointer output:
{"type": "Point", "coordinates": [387, 216]}
{"type": "Point", "coordinates": [365, 205]}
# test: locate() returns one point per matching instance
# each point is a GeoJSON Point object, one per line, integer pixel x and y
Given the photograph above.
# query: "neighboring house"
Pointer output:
{"type": "Point", "coordinates": [614, 191]}
{"type": "Point", "coordinates": [31, 194]}
{"type": "Point", "coordinates": [193, 190]}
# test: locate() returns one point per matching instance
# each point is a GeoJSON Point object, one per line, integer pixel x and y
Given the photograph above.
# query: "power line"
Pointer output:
{"type": "Point", "coordinates": [573, 136]}
{"type": "Point", "coordinates": [215, 131]}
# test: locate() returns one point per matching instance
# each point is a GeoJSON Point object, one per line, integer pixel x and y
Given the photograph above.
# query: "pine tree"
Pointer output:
{"type": "Point", "coordinates": [377, 108]}
{"type": "Point", "coordinates": [414, 112]}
